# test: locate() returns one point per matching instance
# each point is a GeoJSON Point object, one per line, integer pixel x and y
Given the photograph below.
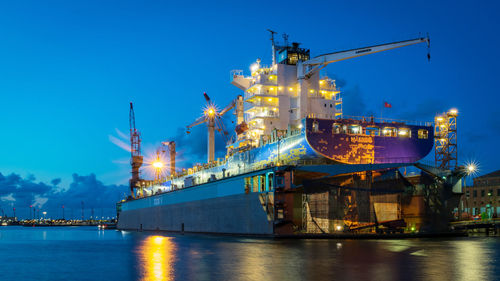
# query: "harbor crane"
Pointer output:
{"type": "Point", "coordinates": [212, 116]}
{"type": "Point", "coordinates": [135, 150]}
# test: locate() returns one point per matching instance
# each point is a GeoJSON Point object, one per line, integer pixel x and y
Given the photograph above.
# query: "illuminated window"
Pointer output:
{"type": "Point", "coordinates": [389, 132]}
{"type": "Point", "coordinates": [423, 134]}
{"type": "Point", "coordinates": [315, 127]}
{"type": "Point", "coordinates": [404, 133]}
{"type": "Point", "coordinates": [372, 131]}
{"type": "Point", "coordinates": [336, 127]}
{"type": "Point", "coordinates": [355, 129]}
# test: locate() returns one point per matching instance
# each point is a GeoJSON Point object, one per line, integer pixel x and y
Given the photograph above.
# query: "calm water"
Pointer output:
{"type": "Point", "coordinates": [85, 253]}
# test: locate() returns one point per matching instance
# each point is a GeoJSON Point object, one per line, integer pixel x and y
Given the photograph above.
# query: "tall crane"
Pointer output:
{"type": "Point", "coordinates": [306, 69]}
{"type": "Point", "coordinates": [136, 159]}
{"type": "Point", "coordinates": [212, 117]}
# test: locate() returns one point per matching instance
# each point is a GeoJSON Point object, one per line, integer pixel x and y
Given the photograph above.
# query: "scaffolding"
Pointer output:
{"type": "Point", "coordinates": [445, 140]}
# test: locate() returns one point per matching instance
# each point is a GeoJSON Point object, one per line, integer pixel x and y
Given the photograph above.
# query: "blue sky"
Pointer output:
{"type": "Point", "coordinates": [68, 70]}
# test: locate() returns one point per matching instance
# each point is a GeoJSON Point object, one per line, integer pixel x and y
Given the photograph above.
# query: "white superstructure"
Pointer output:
{"type": "Point", "coordinates": [279, 96]}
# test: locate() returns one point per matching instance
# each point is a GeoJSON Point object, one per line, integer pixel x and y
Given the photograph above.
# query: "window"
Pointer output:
{"type": "Point", "coordinates": [404, 133]}
{"type": "Point", "coordinates": [255, 184]}
{"type": "Point", "coordinates": [248, 185]}
{"type": "Point", "coordinates": [498, 192]}
{"type": "Point", "coordinates": [372, 131]}
{"type": "Point", "coordinates": [336, 128]}
{"type": "Point", "coordinates": [423, 134]}
{"type": "Point", "coordinates": [315, 127]}
{"type": "Point", "coordinates": [389, 132]}
{"type": "Point", "coordinates": [467, 193]}
{"type": "Point", "coordinates": [474, 193]}
{"type": "Point", "coordinates": [482, 193]}
{"type": "Point", "coordinates": [355, 129]}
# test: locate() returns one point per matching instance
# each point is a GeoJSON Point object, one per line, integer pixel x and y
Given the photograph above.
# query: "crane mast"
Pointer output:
{"type": "Point", "coordinates": [212, 116]}
{"type": "Point", "coordinates": [136, 159]}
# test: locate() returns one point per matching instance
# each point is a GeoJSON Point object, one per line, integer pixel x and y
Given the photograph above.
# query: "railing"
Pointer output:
{"type": "Point", "coordinates": [389, 120]}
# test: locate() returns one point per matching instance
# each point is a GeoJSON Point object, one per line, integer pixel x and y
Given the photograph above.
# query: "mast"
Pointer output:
{"type": "Point", "coordinates": [273, 45]}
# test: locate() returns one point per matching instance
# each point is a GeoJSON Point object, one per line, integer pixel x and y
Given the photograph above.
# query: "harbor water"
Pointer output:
{"type": "Point", "coordinates": [86, 253]}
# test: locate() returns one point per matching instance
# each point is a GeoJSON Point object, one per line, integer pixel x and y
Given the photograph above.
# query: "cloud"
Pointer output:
{"type": "Point", "coordinates": [8, 198]}
{"type": "Point", "coordinates": [19, 192]}
{"type": "Point", "coordinates": [55, 182]}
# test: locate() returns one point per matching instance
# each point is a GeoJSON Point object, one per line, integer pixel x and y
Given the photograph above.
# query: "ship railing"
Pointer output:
{"type": "Point", "coordinates": [389, 120]}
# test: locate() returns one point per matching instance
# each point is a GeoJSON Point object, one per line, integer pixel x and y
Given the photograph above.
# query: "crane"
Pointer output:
{"type": "Point", "coordinates": [316, 64]}
{"type": "Point", "coordinates": [306, 69]}
{"type": "Point", "coordinates": [212, 116]}
{"type": "Point", "coordinates": [135, 151]}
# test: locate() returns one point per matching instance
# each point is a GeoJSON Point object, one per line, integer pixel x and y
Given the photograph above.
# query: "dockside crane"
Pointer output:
{"type": "Point", "coordinates": [212, 116]}
{"type": "Point", "coordinates": [136, 159]}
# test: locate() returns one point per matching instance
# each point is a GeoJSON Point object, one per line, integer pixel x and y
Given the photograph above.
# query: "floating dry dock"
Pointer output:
{"type": "Point", "coordinates": [295, 165]}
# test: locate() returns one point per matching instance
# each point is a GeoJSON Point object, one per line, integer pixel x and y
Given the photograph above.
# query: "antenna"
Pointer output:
{"type": "Point", "coordinates": [285, 39]}
{"type": "Point", "coordinates": [273, 46]}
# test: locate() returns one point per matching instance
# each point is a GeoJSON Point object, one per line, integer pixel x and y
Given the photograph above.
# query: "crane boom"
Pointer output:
{"type": "Point", "coordinates": [321, 61]}
{"type": "Point", "coordinates": [228, 107]}
{"type": "Point", "coordinates": [196, 122]}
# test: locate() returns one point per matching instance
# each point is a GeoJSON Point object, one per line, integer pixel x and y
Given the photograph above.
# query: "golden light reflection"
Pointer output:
{"type": "Point", "coordinates": [156, 257]}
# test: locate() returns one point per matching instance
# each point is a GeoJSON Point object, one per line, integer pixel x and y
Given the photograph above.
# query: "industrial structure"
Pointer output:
{"type": "Point", "coordinates": [445, 136]}
{"type": "Point", "coordinates": [296, 166]}
{"type": "Point", "coordinates": [136, 158]}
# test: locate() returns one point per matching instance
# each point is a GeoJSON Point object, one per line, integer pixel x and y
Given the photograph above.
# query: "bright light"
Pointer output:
{"type": "Point", "coordinates": [453, 111]}
{"type": "Point", "coordinates": [158, 164]}
{"type": "Point", "coordinates": [338, 228]}
{"type": "Point", "coordinates": [290, 89]}
{"type": "Point", "coordinates": [272, 89]}
{"type": "Point", "coordinates": [210, 110]}
{"type": "Point", "coordinates": [440, 119]}
{"type": "Point", "coordinates": [270, 99]}
{"type": "Point", "coordinates": [471, 168]}
{"type": "Point", "coordinates": [300, 126]}
{"type": "Point", "coordinates": [254, 67]}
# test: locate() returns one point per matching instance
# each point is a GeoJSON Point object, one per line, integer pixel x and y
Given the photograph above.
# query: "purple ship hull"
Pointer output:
{"type": "Point", "coordinates": [359, 142]}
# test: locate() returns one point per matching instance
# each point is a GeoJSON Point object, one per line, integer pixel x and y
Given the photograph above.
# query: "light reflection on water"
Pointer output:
{"type": "Point", "coordinates": [85, 253]}
{"type": "Point", "coordinates": [194, 257]}
{"type": "Point", "coordinates": [156, 255]}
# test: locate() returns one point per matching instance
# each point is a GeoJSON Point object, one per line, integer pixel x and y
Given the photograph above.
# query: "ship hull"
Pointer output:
{"type": "Point", "coordinates": [216, 207]}
{"type": "Point", "coordinates": [236, 214]}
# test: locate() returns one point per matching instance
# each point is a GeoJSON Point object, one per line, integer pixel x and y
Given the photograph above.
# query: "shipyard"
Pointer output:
{"type": "Point", "coordinates": [296, 166]}
{"type": "Point", "coordinates": [260, 140]}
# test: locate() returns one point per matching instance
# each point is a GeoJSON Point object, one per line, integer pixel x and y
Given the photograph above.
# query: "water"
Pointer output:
{"type": "Point", "coordinates": [85, 253]}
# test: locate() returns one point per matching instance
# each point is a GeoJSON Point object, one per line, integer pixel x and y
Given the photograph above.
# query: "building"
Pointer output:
{"type": "Point", "coordinates": [483, 196]}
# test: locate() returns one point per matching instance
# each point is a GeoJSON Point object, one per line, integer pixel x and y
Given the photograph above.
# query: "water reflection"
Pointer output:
{"type": "Point", "coordinates": [156, 255]}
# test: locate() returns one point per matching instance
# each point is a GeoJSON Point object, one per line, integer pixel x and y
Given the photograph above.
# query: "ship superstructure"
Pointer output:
{"type": "Point", "coordinates": [292, 143]}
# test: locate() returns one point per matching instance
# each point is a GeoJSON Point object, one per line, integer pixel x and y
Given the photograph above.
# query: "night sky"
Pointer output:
{"type": "Point", "coordinates": [68, 70]}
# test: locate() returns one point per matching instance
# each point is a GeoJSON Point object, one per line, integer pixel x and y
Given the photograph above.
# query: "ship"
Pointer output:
{"type": "Point", "coordinates": [295, 164]}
